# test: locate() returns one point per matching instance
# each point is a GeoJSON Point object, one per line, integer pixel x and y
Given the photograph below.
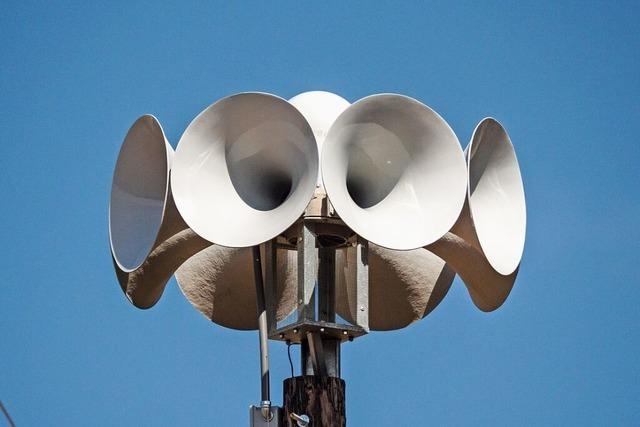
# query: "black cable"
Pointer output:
{"type": "Point", "coordinates": [289, 354]}
{"type": "Point", "coordinates": [6, 414]}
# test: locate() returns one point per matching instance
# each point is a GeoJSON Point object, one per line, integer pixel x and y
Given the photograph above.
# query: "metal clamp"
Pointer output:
{"type": "Point", "coordinates": [265, 409]}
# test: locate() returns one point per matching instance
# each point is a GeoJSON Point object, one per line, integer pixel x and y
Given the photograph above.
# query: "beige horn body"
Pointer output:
{"type": "Point", "coordinates": [404, 286]}
{"type": "Point", "coordinates": [395, 173]}
{"type": "Point", "coordinates": [485, 245]}
{"type": "Point", "coordinates": [217, 275]}
{"type": "Point", "coordinates": [244, 171]}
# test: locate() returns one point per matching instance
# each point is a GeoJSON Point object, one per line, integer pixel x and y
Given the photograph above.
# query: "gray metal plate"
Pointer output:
{"type": "Point", "coordinates": [256, 419]}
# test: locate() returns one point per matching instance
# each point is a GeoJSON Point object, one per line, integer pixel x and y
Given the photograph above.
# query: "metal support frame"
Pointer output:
{"type": "Point", "coordinates": [271, 282]}
{"type": "Point", "coordinates": [312, 238]}
{"type": "Point", "coordinates": [320, 353]}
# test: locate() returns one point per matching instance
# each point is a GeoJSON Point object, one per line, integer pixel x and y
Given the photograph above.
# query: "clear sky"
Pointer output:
{"type": "Point", "coordinates": [564, 79]}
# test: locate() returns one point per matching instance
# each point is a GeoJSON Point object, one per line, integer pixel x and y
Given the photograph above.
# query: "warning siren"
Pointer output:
{"type": "Point", "coordinates": [246, 168]}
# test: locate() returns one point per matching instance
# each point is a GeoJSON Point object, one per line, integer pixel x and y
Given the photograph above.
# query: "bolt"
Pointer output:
{"type": "Point", "coordinates": [362, 308]}
{"type": "Point", "coordinates": [301, 420]}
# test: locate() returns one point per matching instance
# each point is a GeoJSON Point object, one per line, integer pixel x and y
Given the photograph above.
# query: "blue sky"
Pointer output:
{"type": "Point", "coordinates": [564, 79]}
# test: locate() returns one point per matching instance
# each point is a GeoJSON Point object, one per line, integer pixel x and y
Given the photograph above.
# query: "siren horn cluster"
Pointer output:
{"type": "Point", "coordinates": [248, 166]}
{"type": "Point", "coordinates": [315, 221]}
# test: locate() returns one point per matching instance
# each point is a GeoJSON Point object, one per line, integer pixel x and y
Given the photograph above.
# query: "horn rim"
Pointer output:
{"type": "Point", "coordinates": [503, 261]}
{"type": "Point", "coordinates": [168, 151]}
{"type": "Point", "coordinates": [341, 209]}
{"type": "Point", "coordinates": [181, 195]}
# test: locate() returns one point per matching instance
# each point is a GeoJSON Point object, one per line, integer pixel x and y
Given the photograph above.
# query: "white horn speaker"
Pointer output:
{"type": "Point", "coordinates": [394, 171]}
{"type": "Point", "coordinates": [485, 245]}
{"type": "Point", "coordinates": [141, 212]}
{"type": "Point", "coordinates": [147, 235]}
{"type": "Point", "coordinates": [245, 169]}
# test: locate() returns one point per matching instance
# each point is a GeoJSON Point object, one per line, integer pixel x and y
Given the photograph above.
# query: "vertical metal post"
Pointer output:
{"type": "Point", "coordinates": [320, 355]}
{"type": "Point", "coordinates": [306, 358]}
{"type": "Point", "coordinates": [362, 284]}
{"type": "Point", "coordinates": [265, 403]}
{"type": "Point", "coordinates": [271, 283]}
{"type": "Point", "coordinates": [316, 350]}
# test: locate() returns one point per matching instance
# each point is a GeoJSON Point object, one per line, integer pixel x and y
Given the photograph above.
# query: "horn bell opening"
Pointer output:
{"type": "Point", "coordinates": [245, 169]}
{"type": "Point", "coordinates": [496, 196]}
{"type": "Point", "coordinates": [394, 171]}
{"type": "Point", "coordinates": [139, 193]}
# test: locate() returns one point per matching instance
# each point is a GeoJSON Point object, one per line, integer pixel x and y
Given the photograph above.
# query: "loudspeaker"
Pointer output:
{"type": "Point", "coordinates": [486, 243]}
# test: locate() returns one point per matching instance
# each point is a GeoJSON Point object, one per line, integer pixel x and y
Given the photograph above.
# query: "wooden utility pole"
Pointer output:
{"type": "Point", "coordinates": [322, 399]}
